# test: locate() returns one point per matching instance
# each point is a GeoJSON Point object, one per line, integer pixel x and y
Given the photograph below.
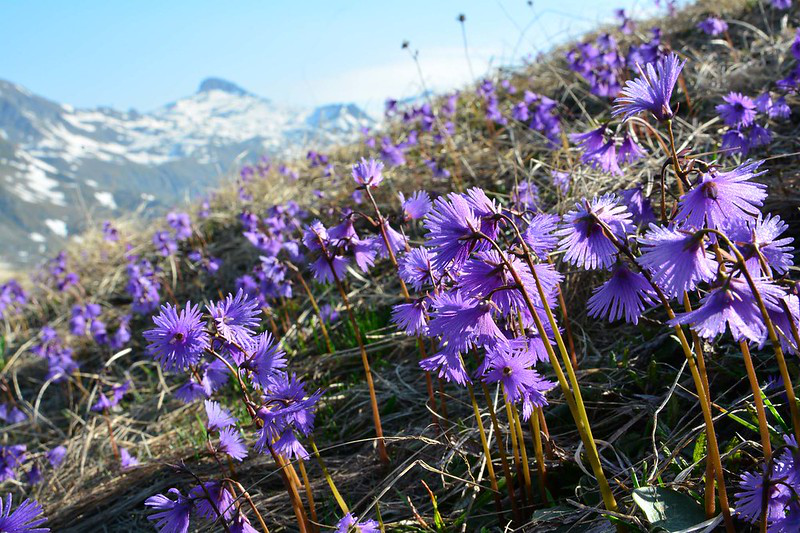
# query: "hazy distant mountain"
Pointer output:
{"type": "Point", "coordinates": [62, 168]}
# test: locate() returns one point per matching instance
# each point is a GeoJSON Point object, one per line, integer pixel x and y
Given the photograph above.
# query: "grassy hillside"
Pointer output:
{"type": "Point", "coordinates": [77, 336]}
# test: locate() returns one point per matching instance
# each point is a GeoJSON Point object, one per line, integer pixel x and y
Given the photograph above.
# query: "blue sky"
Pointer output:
{"type": "Point", "coordinates": [143, 54]}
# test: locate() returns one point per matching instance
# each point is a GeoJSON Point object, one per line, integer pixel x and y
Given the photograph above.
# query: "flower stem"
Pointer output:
{"type": "Point", "coordinates": [539, 451]}
{"type": "Point", "coordinates": [763, 428]}
{"type": "Point", "coordinates": [526, 472]}
{"type": "Point", "coordinates": [315, 306]}
{"type": "Point", "coordinates": [501, 449]}
{"type": "Point", "coordinates": [336, 494]}
{"type": "Point", "coordinates": [376, 415]}
{"type": "Point", "coordinates": [312, 508]}
{"type": "Point", "coordinates": [406, 295]}
{"type": "Point", "coordinates": [486, 451]}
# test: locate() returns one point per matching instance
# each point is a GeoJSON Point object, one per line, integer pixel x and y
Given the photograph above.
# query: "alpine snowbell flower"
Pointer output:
{"type": "Point", "coordinates": [173, 511]}
{"type": "Point", "coordinates": [231, 443]}
{"type": "Point", "coordinates": [584, 239]}
{"type": "Point", "coordinates": [677, 260]}
{"type": "Point", "coordinates": [415, 268]}
{"type": "Point", "coordinates": [539, 235]}
{"type": "Point", "coordinates": [719, 198]}
{"type": "Point", "coordinates": [760, 238]}
{"type": "Point", "coordinates": [410, 317]}
{"type": "Point", "coordinates": [513, 368]}
{"type": "Point", "coordinates": [652, 91]}
{"type": "Point", "coordinates": [218, 418]}
{"type": "Point", "coordinates": [461, 320]}
{"type": "Point", "coordinates": [178, 339]}
{"type": "Point", "coordinates": [368, 173]}
{"type": "Point", "coordinates": [738, 110]}
{"type": "Point", "coordinates": [713, 26]}
{"type": "Point", "coordinates": [416, 206]}
{"type": "Point", "coordinates": [732, 305]}
{"type": "Point", "coordinates": [453, 229]}
{"type": "Point", "coordinates": [625, 294]}
{"type": "Point", "coordinates": [234, 319]}
{"type": "Point", "coordinates": [26, 518]}
{"type": "Point", "coordinates": [350, 524]}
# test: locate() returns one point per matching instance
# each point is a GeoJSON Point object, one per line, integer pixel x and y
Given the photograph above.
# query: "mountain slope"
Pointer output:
{"type": "Point", "coordinates": [61, 167]}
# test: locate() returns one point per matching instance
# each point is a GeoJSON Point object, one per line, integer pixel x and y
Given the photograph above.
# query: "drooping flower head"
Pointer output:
{"type": "Point", "coordinates": [584, 239]}
{"type": "Point", "coordinates": [26, 518]}
{"type": "Point", "coordinates": [511, 364]}
{"type": "Point", "coordinates": [678, 260]}
{"type": "Point", "coordinates": [713, 26]}
{"type": "Point", "coordinates": [218, 418]}
{"type": "Point", "coordinates": [733, 305]}
{"type": "Point", "coordinates": [179, 337]}
{"type": "Point", "coordinates": [350, 524]}
{"type": "Point", "coordinates": [759, 239]}
{"type": "Point", "coordinates": [719, 198]}
{"type": "Point", "coordinates": [453, 231]}
{"type": "Point", "coordinates": [625, 294]}
{"type": "Point", "coordinates": [652, 91]}
{"type": "Point", "coordinates": [416, 206]}
{"type": "Point", "coordinates": [415, 268]}
{"type": "Point", "coordinates": [173, 511]}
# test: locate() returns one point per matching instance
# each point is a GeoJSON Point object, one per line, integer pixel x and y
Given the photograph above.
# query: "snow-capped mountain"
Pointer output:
{"type": "Point", "coordinates": [63, 168]}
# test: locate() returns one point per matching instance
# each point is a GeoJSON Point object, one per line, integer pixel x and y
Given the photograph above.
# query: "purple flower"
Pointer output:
{"type": "Point", "coordinates": [625, 294]}
{"type": "Point", "coordinates": [447, 364]}
{"type": "Point", "coordinates": [110, 233]}
{"type": "Point", "coordinates": [241, 524]}
{"type": "Point", "coordinates": [719, 198]}
{"type": "Point", "coordinates": [235, 317]}
{"type": "Point", "coordinates": [539, 235]}
{"type": "Point", "coordinates": [181, 223]}
{"type": "Point", "coordinates": [417, 205]}
{"type": "Point", "coordinates": [749, 501]}
{"type": "Point", "coordinates": [713, 26]}
{"type": "Point", "coordinates": [126, 460]}
{"type": "Point", "coordinates": [218, 418]}
{"type": "Point", "coordinates": [677, 260]}
{"type": "Point", "coordinates": [590, 141]}
{"type": "Point", "coordinates": [173, 512]}
{"type": "Point", "coordinates": [266, 359]}
{"type": "Point", "coordinates": [760, 236]}
{"type": "Point", "coordinates": [583, 238]}
{"type": "Point", "coordinates": [652, 91]}
{"type": "Point", "coordinates": [561, 180]}
{"type": "Point", "coordinates": [164, 243]}
{"type": "Point", "coordinates": [783, 326]}
{"type": "Point", "coordinates": [11, 458]}
{"type": "Point", "coordinates": [629, 151]}
{"type": "Point", "coordinates": [11, 414]}
{"type": "Point", "coordinates": [638, 205]}
{"type": "Point", "coordinates": [734, 305]}
{"type": "Point", "coordinates": [461, 320]}
{"type": "Point", "coordinates": [221, 502]}
{"type": "Point", "coordinates": [350, 524]}
{"type": "Point", "coordinates": [453, 230]}
{"type": "Point", "coordinates": [781, 4]}
{"type": "Point", "coordinates": [26, 518]}
{"type": "Point", "coordinates": [178, 339]}
{"type": "Point", "coordinates": [738, 110]}
{"type": "Point", "coordinates": [56, 456]}
{"type": "Point", "coordinates": [415, 268]}
{"type": "Point", "coordinates": [368, 173]}
{"type": "Point", "coordinates": [410, 317]}
{"type": "Point", "coordinates": [511, 364]}
{"type": "Point", "coordinates": [231, 443]}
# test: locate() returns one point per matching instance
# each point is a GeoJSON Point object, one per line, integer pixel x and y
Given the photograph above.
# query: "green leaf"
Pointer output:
{"type": "Point", "coordinates": [667, 509]}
